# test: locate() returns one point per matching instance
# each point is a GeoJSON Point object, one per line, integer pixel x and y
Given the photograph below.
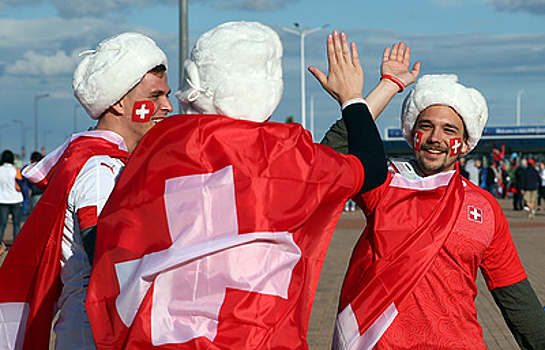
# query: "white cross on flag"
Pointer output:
{"type": "Point", "coordinates": [205, 241]}
{"type": "Point", "coordinates": [475, 214]}
{"type": "Point", "coordinates": [142, 111]}
{"type": "Point", "coordinates": [455, 146]}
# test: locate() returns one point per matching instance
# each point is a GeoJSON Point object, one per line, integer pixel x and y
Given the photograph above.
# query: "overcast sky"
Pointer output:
{"type": "Point", "coordinates": [496, 46]}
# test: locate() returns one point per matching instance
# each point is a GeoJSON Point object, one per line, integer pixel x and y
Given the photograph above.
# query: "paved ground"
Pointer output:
{"type": "Point", "coordinates": [529, 236]}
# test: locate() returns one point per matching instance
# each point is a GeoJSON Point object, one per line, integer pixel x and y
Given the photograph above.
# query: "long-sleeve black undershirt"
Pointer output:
{"type": "Point", "coordinates": [365, 143]}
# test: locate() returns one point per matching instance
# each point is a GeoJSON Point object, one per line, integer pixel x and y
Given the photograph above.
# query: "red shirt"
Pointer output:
{"type": "Point", "coordinates": [440, 312]}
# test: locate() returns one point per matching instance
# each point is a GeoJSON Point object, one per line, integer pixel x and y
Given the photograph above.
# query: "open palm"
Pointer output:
{"type": "Point", "coordinates": [396, 61]}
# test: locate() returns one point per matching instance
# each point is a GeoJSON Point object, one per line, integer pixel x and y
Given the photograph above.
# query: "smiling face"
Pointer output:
{"type": "Point", "coordinates": [153, 87]}
{"type": "Point", "coordinates": [441, 134]}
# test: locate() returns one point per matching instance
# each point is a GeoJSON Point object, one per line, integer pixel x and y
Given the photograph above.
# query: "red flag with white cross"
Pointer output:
{"type": "Point", "coordinates": [223, 243]}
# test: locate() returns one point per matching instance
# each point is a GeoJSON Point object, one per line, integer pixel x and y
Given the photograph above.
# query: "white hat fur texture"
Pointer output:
{"type": "Point", "coordinates": [235, 70]}
{"type": "Point", "coordinates": [109, 72]}
{"type": "Point", "coordinates": [445, 90]}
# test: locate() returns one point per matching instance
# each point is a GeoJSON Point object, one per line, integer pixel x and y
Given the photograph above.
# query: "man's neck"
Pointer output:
{"type": "Point", "coordinates": [110, 123]}
{"type": "Point", "coordinates": [421, 173]}
{"type": "Point", "coordinates": [417, 169]}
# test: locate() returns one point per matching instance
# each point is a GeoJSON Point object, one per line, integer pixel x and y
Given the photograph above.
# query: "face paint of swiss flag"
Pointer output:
{"type": "Point", "coordinates": [455, 146]}
{"type": "Point", "coordinates": [142, 111]}
{"type": "Point", "coordinates": [417, 140]}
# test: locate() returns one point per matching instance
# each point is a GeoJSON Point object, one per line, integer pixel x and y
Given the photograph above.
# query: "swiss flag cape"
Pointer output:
{"type": "Point", "coordinates": [30, 273]}
{"type": "Point", "coordinates": [391, 256]}
{"type": "Point", "coordinates": [215, 235]}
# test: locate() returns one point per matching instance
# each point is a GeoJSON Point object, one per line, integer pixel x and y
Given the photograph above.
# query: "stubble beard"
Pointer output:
{"type": "Point", "coordinates": [431, 167]}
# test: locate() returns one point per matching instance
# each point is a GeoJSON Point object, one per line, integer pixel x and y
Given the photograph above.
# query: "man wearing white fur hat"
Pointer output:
{"type": "Point", "coordinates": [123, 85]}
{"type": "Point", "coordinates": [411, 279]}
{"type": "Point", "coordinates": [223, 247]}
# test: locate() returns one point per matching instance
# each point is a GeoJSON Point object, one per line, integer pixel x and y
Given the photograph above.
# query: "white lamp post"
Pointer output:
{"type": "Point", "coordinates": [45, 139]}
{"type": "Point", "coordinates": [19, 121]}
{"type": "Point", "coordinates": [302, 32]}
{"type": "Point", "coordinates": [2, 127]}
{"type": "Point", "coordinates": [184, 41]}
{"type": "Point", "coordinates": [312, 116]}
{"type": "Point", "coordinates": [36, 99]}
{"type": "Point", "coordinates": [519, 93]}
{"type": "Point", "coordinates": [76, 106]}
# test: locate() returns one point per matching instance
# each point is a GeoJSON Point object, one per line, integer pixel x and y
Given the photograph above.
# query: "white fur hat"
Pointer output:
{"type": "Point", "coordinates": [235, 70]}
{"type": "Point", "coordinates": [117, 65]}
{"type": "Point", "coordinates": [445, 90]}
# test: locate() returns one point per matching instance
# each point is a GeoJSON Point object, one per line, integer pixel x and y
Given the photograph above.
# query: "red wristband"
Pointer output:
{"type": "Point", "coordinates": [395, 81]}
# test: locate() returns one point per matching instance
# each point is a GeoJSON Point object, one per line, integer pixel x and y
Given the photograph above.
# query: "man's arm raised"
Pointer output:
{"type": "Point", "coordinates": [344, 82]}
{"type": "Point", "coordinates": [395, 66]}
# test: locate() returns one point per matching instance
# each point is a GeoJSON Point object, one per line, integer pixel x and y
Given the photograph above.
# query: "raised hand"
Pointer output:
{"type": "Point", "coordinates": [396, 61]}
{"type": "Point", "coordinates": [344, 80]}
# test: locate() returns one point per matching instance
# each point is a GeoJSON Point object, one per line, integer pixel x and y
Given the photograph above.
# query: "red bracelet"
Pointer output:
{"type": "Point", "coordinates": [395, 81]}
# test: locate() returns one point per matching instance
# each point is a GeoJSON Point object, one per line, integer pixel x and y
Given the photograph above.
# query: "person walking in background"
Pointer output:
{"type": "Point", "coordinates": [473, 167]}
{"type": "Point", "coordinates": [122, 84]}
{"type": "Point", "coordinates": [487, 178]}
{"type": "Point", "coordinates": [11, 198]}
{"type": "Point", "coordinates": [530, 181]}
{"type": "Point", "coordinates": [541, 190]}
{"type": "Point", "coordinates": [462, 165]}
{"type": "Point", "coordinates": [518, 198]}
{"type": "Point", "coordinates": [35, 192]}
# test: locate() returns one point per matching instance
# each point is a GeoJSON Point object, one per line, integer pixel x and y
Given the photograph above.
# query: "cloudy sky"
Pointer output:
{"type": "Point", "coordinates": [497, 46]}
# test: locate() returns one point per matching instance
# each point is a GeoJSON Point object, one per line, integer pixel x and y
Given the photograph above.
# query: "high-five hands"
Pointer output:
{"type": "Point", "coordinates": [396, 61]}
{"type": "Point", "coordinates": [344, 80]}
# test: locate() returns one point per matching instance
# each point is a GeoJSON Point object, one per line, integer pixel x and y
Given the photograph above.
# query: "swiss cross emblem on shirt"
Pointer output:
{"type": "Point", "coordinates": [142, 111]}
{"type": "Point", "coordinates": [417, 140]}
{"type": "Point", "coordinates": [474, 214]}
{"type": "Point", "coordinates": [455, 146]}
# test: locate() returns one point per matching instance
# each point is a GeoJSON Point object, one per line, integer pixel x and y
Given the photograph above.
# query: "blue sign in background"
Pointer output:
{"type": "Point", "coordinates": [528, 131]}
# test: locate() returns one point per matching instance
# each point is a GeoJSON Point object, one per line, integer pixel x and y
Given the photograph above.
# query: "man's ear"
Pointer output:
{"type": "Point", "coordinates": [117, 108]}
{"type": "Point", "coordinates": [465, 148]}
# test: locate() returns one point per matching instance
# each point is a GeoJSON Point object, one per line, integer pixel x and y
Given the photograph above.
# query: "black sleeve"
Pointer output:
{"type": "Point", "coordinates": [365, 143]}
{"type": "Point", "coordinates": [89, 236]}
{"type": "Point", "coordinates": [337, 137]}
{"type": "Point", "coordinates": [523, 314]}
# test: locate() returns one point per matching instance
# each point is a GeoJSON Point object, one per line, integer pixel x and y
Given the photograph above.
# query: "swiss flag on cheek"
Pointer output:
{"type": "Point", "coordinates": [455, 146]}
{"type": "Point", "coordinates": [417, 140]}
{"type": "Point", "coordinates": [142, 111]}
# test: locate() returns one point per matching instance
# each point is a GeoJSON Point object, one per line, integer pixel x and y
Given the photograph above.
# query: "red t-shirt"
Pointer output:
{"type": "Point", "coordinates": [441, 312]}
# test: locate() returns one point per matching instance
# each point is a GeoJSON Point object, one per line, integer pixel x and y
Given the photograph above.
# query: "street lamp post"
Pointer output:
{"type": "Point", "coordinates": [36, 99]}
{"type": "Point", "coordinates": [27, 128]}
{"type": "Point", "coordinates": [45, 139]}
{"type": "Point", "coordinates": [519, 93]}
{"type": "Point", "coordinates": [303, 32]}
{"type": "Point", "coordinates": [18, 121]}
{"type": "Point", "coordinates": [76, 106]}
{"type": "Point", "coordinates": [1, 127]}
{"type": "Point", "coordinates": [184, 42]}
{"type": "Point", "coordinates": [312, 115]}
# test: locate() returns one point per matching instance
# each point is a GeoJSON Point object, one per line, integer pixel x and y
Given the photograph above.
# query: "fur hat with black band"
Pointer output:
{"type": "Point", "coordinates": [109, 72]}
{"type": "Point", "coordinates": [235, 70]}
{"type": "Point", "coordinates": [445, 90]}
